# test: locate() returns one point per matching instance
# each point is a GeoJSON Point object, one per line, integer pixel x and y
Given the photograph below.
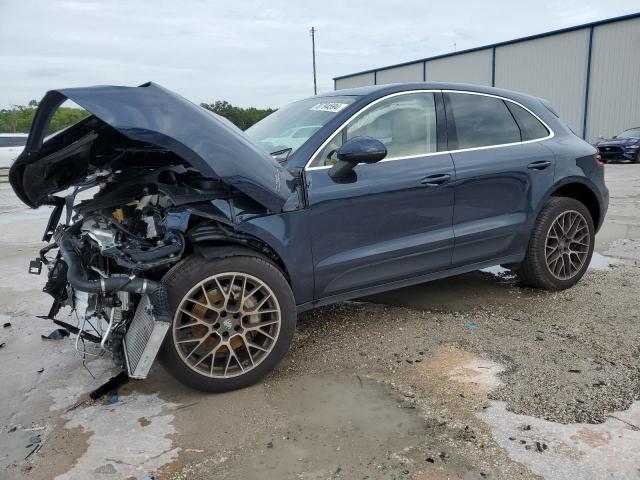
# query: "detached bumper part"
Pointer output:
{"type": "Point", "coordinates": [143, 339]}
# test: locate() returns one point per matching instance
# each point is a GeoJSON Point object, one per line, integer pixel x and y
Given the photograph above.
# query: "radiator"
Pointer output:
{"type": "Point", "coordinates": [143, 340]}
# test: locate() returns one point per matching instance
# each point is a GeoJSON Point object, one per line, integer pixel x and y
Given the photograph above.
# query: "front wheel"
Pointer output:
{"type": "Point", "coordinates": [234, 320]}
{"type": "Point", "coordinates": [560, 247]}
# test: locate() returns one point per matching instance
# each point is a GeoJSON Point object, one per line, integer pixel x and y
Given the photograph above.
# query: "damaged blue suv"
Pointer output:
{"type": "Point", "coordinates": [201, 242]}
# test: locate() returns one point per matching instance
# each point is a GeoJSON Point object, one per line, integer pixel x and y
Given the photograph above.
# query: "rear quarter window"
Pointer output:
{"type": "Point", "coordinates": [530, 127]}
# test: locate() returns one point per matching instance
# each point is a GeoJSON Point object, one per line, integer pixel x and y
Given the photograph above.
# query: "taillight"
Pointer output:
{"type": "Point", "coordinates": [598, 160]}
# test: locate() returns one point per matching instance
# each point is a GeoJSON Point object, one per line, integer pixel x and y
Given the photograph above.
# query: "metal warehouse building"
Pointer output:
{"type": "Point", "coordinates": [590, 73]}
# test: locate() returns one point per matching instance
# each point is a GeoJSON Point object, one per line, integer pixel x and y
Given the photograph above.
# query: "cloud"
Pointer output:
{"type": "Point", "coordinates": [249, 52]}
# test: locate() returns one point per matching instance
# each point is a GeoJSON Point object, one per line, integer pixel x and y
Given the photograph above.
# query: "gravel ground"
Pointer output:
{"type": "Point", "coordinates": [452, 379]}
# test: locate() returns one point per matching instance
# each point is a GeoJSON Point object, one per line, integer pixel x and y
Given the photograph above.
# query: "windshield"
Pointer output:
{"type": "Point", "coordinates": [631, 133]}
{"type": "Point", "coordinates": [285, 130]}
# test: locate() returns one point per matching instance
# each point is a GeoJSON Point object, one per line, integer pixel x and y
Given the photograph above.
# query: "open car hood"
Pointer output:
{"type": "Point", "coordinates": [155, 116]}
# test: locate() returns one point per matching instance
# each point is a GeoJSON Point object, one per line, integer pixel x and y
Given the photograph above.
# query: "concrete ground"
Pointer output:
{"type": "Point", "coordinates": [466, 378]}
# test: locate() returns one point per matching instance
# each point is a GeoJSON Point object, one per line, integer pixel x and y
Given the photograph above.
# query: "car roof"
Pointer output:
{"type": "Point", "coordinates": [381, 90]}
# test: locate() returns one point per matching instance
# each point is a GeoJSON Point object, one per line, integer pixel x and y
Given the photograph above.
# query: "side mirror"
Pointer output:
{"type": "Point", "coordinates": [600, 137]}
{"type": "Point", "coordinates": [615, 136]}
{"type": "Point", "coordinates": [357, 150]}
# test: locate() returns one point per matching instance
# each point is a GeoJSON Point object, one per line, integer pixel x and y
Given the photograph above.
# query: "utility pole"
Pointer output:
{"type": "Point", "coordinates": [313, 48]}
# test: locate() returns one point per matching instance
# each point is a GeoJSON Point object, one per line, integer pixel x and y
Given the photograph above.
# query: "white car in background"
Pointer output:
{"type": "Point", "coordinates": [11, 145]}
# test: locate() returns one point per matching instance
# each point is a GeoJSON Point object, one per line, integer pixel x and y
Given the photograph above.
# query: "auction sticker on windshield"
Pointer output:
{"type": "Point", "coordinates": [329, 107]}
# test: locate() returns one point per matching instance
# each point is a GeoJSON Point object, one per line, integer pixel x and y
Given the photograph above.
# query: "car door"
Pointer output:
{"type": "Point", "coordinates": [390, 220]}
{"type": "Point", "coordinates": [501, 168]}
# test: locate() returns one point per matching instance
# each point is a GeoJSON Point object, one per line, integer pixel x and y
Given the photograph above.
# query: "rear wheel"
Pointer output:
{"type": "Point", "coordinates": [234, 320]}
{"type": "Point", "coordinates": [560, 247]}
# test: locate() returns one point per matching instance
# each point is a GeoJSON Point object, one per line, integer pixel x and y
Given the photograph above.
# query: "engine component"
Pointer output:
{"type": "Point", "coordinates": [144, 339]}
{"type": "Point", "coordinates": [76, 278]}
{"type": "Point", "coordinates": [101, 234]}
{"type": "Point", "coordinates": [142, 245]}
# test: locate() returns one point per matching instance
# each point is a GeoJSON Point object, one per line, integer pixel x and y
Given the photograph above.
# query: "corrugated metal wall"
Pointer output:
{"type": "Point", "coordinates": [474, 67]}
{"type": "Point", "coordinates": [614, 87]}
{"type": "Point", "coordinates": [355, 81]}
{"type": "Point", "coordinates": [406, 73]}
{"type": "Point", "coordinates": [554, 68]}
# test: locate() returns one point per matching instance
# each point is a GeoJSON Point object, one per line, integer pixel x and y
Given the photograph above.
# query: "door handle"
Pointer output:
{"type": "Point", "coordinates": [435, 180]}
{"type": "Point", "coordinates": [541, 165]}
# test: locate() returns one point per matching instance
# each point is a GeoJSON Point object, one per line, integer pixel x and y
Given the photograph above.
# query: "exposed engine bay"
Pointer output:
{"type": "Point", "coordinates": [107, 260]}
{"type": "Point", "coordinates": [145, 181]}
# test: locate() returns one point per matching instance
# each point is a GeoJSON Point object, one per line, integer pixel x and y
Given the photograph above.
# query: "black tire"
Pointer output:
{"type": "Point", "coordinates": [636, 159]}
{"type": "Point", "coordinates": [194, 269]}
{"type": "Point", "coordinates": [533, 271]}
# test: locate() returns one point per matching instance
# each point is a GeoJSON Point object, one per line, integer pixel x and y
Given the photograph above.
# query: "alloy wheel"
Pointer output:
{"type": "Point", "coordinates": [226, 325]}
{"type": "Point", "coordinates": [567, 245]}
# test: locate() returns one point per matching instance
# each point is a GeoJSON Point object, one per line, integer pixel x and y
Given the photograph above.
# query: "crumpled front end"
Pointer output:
{"type": "Point", "coordinates": [150, 168]}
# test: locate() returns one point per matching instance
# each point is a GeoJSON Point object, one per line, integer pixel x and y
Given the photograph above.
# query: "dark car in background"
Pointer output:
{"type": "Point", "coordinates": [624, 146]}
{"type": "Point", "coordinates": [208, 241]}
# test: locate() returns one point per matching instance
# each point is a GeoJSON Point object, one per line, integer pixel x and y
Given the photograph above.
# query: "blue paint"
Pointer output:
{"type": "Point", "coordinates": [387, 224]}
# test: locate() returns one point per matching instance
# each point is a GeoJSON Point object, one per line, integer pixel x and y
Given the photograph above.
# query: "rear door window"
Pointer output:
{"type": "Point", "coordinates": [479, 121]}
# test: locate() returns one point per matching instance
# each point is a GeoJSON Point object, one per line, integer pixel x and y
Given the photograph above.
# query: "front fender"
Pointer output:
{"type": "Point", "coordinates": [289, 236]}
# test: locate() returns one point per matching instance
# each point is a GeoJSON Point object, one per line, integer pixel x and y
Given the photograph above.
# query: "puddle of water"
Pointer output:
{"type": "Point", "coordinates": [351, 425]}
{"type": "Point", "coordinates": [497, 270]}
{"type": "Point", "coordinates": [600, 262]}
{"type": "Point", "coordinates": [551, 450]}
{"type": "Point", "coordinates": [576, 451]}
{"type": "Point", "coordinates": [119, 445]}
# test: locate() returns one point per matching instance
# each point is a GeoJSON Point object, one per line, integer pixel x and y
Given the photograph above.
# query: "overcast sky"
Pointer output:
{"type": "Point", "coordinates": [250, 52]}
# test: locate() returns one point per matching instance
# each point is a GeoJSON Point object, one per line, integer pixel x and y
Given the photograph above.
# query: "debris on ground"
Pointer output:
{"type": "Point", "coordinates": [110, 385]}
{"type": "Point", "coordinates": [471, 326]}
{"type": "Point", "coordinates": [34, 445]}
{"type": "Point", "coordinates": [57, 334]}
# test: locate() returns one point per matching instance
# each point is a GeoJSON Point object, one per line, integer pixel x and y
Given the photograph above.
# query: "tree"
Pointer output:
{"type": "Point", "coordinates": [18, 118]}
{"type": "Point", "coordinates": [243, 118]}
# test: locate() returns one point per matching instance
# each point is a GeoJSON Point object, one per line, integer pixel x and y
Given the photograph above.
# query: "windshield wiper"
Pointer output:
{"type": "Point", "coordinates": [282, 154]}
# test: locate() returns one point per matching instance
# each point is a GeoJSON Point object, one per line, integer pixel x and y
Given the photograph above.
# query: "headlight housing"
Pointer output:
{"type": "Point", "coordinates": [635, 147]}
